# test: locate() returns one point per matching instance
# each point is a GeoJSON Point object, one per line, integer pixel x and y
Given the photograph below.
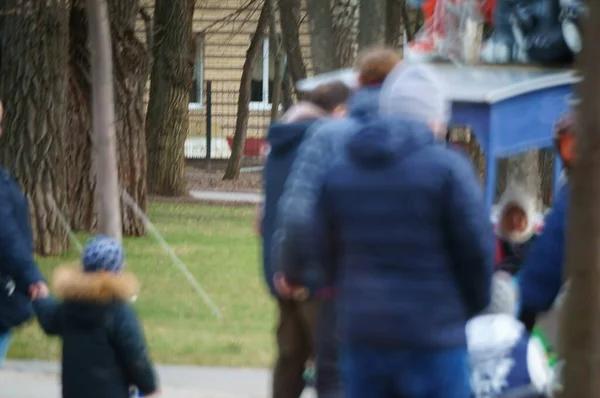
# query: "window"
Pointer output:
{"type": "Point", "coordinates": [262, 78]}
{"type": "Point", "coordinates": [197, 93]}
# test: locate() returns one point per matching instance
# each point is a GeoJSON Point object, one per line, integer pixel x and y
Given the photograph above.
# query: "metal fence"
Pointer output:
{"type": "Point", "coordinates": [213, 121]}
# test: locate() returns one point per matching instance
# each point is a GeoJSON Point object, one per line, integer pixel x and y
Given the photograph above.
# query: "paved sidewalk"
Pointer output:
{"type": "Point", "coordinates": [228, 197]}
{"type": "Point", "coordinates": [37, 379]}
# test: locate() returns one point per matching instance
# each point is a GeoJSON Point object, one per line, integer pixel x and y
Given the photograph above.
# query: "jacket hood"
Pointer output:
{"type": "Point", "coordinates": [302, 111]}
{"type": "Point", "coordinates": [364, 102]}
{"type": "Point", "coordinates": [516, 195]}
{"type": "Point", "coordinates": [382, 142]}
{"type": "Point", "coordinates": [100, 287]}
{"type": "Point", "coordinates": [285, 137]}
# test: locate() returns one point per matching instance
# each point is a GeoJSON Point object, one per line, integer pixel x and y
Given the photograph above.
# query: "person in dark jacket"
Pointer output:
{"type": "Point", "coordinates": [541, 278]}
{"type": "Point", "coordinates": [314, 158]}
{"type": "Point", "coordinates": [104, 352]}
{"type": "Point", "coordinates": [20, 278]}
{"type": "Point", "coordinates": [409, 243]}
{"type": "Point", "coordinates": [297, 315]}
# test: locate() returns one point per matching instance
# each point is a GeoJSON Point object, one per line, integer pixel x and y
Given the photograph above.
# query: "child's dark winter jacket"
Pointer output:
{"type": "Point", "coordinates": [284, 140]}
{"type": "Point", "coordinates": [414, 241]}
{"type": "Point", "coordinates": [511, 249]}
{"type": "Point", "coordinates": [103, 348]}
{"type": "Point", "coordinates": [17, 267]}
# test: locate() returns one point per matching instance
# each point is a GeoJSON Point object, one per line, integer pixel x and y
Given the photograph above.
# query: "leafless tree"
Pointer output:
{"type": "Point", "coordinates": [33, 87]}
{"type": "Point", "coordinates": [371, 25]}
{"type": "Point", "coordinates": [167, 119]}
{"type": "Point", "coordinates": [103, 104]}
{"type": "Point", "coordinates": [241, 125]}
{"type": "Point", "coordinates": [289, 15]}
{"type": "Point", "coordinates": [345, 30]}
{"type": "Point", "coordinates": [321, 36]}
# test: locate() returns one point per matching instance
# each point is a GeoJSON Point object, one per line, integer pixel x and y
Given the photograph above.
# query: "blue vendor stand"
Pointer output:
{"type": "Point", "coordinates": [510, 109]}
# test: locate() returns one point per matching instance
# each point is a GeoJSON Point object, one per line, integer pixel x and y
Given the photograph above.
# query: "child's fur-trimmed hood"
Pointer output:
{"type": "Point", "coordinates": [517, 195]}
{"type": "Point", "coordinates": [72, 284]}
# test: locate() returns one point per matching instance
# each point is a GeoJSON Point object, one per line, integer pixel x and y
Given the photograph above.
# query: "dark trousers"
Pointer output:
{"type": "Point", "coordinates": [381, 373]}
{"type": "Point", "coordinates": [295, 345]}
{"type": "Point", "coordinates": [306, 329]}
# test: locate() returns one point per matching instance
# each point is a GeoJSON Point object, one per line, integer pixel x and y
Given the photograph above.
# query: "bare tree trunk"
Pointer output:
{"type": "Point", "coordinates": [394, 24]}
{"type": "Point", "coordinates": [276, 52]}
{"type": "Point", "coordinates": [345, 31]}
{"type": "Point", "coordinates": [130, 68]}
{"type": "Point", "coordinates": [241, 124]}
{"type": "Point", "coordinates": [289, 15]}
{"type": "Point", "coordinates": [81, 179]}
{"type": "Point", "coordinates": [287, 91]}
{"type": "Point", "coordinates": [321, 36]}
{"type": "Point", "coordinates": [33, 86]}
{"type": "Point", "coordinates": [371, 24]}
{"type": "Point", "coordinates": [103, 116]}
{"type": "Point", "coordinates": [580, 329]}
{"type": "Point", "coordinates": [167, 119]}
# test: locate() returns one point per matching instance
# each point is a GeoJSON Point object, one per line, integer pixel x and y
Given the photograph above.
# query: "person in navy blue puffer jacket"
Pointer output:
{"type": "Point", "coordinates": [20, 277]}
{"type": "Point", "coordinates": [406, 236]}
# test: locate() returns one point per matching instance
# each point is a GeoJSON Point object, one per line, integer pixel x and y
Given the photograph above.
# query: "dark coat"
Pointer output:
{"type": "Point", "coordinates": [541, 276]}
{"type": "Point", "coordinates": [17, 266]}
{"type": "Point", "coordinates": [103, 347]}
{"type": "Point", "coordinates": [413, 240]}
{"type": "Point", "coordinates": [284, 140]}
{"type": "Point", "coordinates": [296, 206]}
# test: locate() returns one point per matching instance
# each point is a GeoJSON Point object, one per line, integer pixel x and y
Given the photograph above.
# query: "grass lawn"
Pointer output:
{"type": "Point", "coordinates": [219, 247]}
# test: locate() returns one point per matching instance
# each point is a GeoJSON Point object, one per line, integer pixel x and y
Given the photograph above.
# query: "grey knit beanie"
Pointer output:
{"type": "Point", "coordinates": [414, 92]}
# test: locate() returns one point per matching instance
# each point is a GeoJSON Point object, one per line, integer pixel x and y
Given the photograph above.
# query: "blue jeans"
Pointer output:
{"type": "Point", "coordinates": [380, 373]}
{"type": "Point", "coordinates": [4, 343]}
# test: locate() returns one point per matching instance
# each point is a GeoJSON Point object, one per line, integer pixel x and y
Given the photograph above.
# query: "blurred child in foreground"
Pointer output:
{"type": "Point", "coordinates": [104, 352]}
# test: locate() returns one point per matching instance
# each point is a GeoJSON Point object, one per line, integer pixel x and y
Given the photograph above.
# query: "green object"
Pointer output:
{"type": "Point", "coordinates": [552, 357]}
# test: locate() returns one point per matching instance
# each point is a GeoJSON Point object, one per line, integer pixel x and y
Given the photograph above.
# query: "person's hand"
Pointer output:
{"type": "Point", "coordinates": [156, 393]}
{"type": "Point", "coordinates": [38, 290]}
{"type": "Point", "coordinates": [283, 288]}
{"type": "Point", "coordinates": [288, 291]}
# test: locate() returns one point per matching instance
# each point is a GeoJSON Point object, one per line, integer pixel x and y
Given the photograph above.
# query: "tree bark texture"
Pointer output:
{"type": "Point", "coordinates": [580, 329]}
{"type": "Point", "coordinates": [33, 86]}
{"type": "Point", "coordinates": [241, 124]}
{"type": "Point", "coordinates": [130, 67]}
{"type": "Point", "coordinates": [276, 52]}
{"type": "Point", "coordinates": [321, 36]}
{"type": "Point", "coordinates": [345, 31]}
{"type": "Point", "coordinates": [81, 179]}
{"type": "Point", "coordinates": [167, 120]}
{"type": "Point", "coordinates": [371, 24]}
{"type": "Point", "coordinates": [394, 24]}
{"type": "Point", "coordinates": [289, 16]}
{"type": "Point", "coordinates": [104, 145]}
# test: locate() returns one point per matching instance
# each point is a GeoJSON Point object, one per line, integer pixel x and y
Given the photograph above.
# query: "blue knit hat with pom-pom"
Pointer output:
{"type": "Point", "coordinates": [103, 253]}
